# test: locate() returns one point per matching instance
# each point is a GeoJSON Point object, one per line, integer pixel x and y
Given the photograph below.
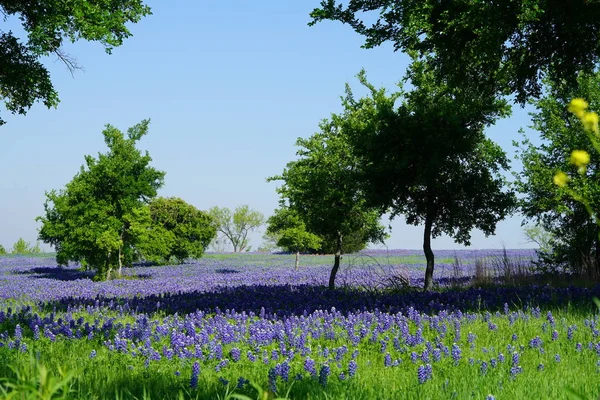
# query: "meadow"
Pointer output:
{"type": "Point", "coordinates": [217, 327]}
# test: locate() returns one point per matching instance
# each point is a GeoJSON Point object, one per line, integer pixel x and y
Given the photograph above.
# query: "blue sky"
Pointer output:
{"type": "Point", "coordinates": [228, 86]}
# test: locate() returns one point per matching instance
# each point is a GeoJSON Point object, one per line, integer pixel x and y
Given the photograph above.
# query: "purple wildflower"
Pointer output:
{"type": "Point", "coordinates": [352, 367]}
{"type": "Point", "coordinates": [310, 366]}
{"type": "Point", "coordinates": [195, 373]}
{"type": "Point", "coordinates": [324, 374]}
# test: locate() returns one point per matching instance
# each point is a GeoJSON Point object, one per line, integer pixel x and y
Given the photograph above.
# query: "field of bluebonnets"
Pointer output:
{"type": "Point", "coordinates": [215, 327]}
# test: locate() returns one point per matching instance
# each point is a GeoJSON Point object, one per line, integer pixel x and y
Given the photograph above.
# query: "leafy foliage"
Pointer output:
{"type": "Point", "coordinates": [538, 235]}
{"type": "Point", "coordinates": [237, 225]}
{"type": "Point", "coordinates": [24, 79]}
{"type": "Point", "coordinates": [23, 247]}
{"type": "Point", "coordinates": [2, 250]}
{"type": "Point", "coordinates": [576, 246]}
{"type": "Point", "coordinates": [92, 219]}
{"type": "Point", "coordinates": [186, 230]}
{"type": "Point", "coordinates": [494, 46]}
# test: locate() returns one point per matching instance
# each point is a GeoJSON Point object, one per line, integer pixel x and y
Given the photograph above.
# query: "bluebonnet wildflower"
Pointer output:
{"type": "Point", "coordinates": [235, 354]}
{"type": "Point", "coordinates": [484, 367]}
{"type": "Point", "coordinates": [387, 362]}
{"type": "Point", "coordinates": [570, 332]}
{"type": "Point", "coordinates": [310, 366]}
{"type": "Point", "coordinates": [273, 380]}
{"type": "Point", "coordinates": [195, 373]}
{"type": "Point", "coordinates": [352, 367]}
{"type": "Point", "coordinates": [324, 374]}
{"type": "Point", "coordinates": [422, 374]}
{"type": "Point", "coordinates": [242, 382]}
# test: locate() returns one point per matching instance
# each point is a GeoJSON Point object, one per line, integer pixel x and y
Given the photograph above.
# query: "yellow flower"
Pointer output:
{"type": "Point", "coordinates": [561, 179]}
{"type": "Point", "coordinates": [580, 158]}
{"type": "Point", "coordinates": [590, 121]}
{"type": "Point", "coordinates": [578, 107]}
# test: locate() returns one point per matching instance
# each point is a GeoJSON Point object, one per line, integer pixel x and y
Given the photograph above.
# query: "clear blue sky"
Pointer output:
{"type": "Point", "coordinates": [229, 86]}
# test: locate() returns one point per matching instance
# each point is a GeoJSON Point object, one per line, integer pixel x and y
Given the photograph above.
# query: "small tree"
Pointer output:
{"type": "Point", "coordinates": [237, 225]}
{"type": "Point", "coordinates": [191, 229]}
{"type": "Point", "coordinates": [535, 233]}
{"type": "Point", "coordinates": [23, 247]}
{"type": "Point", "coordinates": [90, 220]}
{"type": "Point", "coordinates": [291, 233]}
{"type": "Point", "coordinates": [2, 250]}
{"type": "Point", "coordinates": [322, 187]}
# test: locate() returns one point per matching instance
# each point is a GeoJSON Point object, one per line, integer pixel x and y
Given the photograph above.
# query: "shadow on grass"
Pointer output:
{"type": "Point", "coordinates": [227, 271]}
{"type": "Point", "coordinates": [287, 300]}
{"type": "Point", "coordinates": [57, 273]}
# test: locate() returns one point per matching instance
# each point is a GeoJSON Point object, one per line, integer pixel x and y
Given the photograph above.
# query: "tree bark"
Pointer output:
{"type": "Point", "coordinates": [429, 256]}
{"type": "Point", "coordinates": [297, 260]}
{"type": "Point", "coordinates": [597, 256]}
{"type": "Point", "coordinates": [120, 260]}
{"type": "Point", "coordinates": [336, 263]}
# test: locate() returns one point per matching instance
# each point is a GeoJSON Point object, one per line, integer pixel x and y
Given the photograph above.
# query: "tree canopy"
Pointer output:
{"type": "Point", "coordinates": [187, 230]}
{"type": "Point", "coordinates": [498, 46]}
{"type": "Point", "coordinates": [24, 79]}
{"type": "Point", "coordinates": [90, 220]}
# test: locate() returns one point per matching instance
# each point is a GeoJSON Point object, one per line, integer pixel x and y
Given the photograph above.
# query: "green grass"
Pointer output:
{"type": "Point", "coordinates": [114, 375]}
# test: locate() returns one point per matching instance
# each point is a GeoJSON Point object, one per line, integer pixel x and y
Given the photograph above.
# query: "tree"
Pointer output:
{"type": "Point", "coordinates": [495, 46]}
{"type": "Point", "coordinates": [90, 220]}
{"type": "Point", "coordinates": [23, 247]}
{"type": "Point", "coordinates": [2, 250]}
{"type": "Point", "coordinates": [237, 226]}
{"type": "Point", "coordinates": [191, 230]}
{"type": "Point", "coordinates": [575, 244]}
{"type": "Point", "coordinates": [291, 233]}
{"type": "Point", "coordinates": [322, 188]}
{"type": "Point", "coordinates": [537, 234]}
{"type": "Point", "coordinates": [24, 80]}
{"type": "Point", "coordinates": [428, 158]}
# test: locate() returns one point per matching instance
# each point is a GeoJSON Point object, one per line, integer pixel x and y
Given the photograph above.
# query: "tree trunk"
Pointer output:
{"type": "Point", "coordinates": [297, 260]}
{"type": "Point", "coordinates": [107, 268]}
{"type": "Point", "coordinates": [120, 260]}
{"type": "Point", "coordinates": [427, 246]}
{"type": "Point", "coordinates": [597, 256]}
{"type": "Point", "coordinates": [336, 263]}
